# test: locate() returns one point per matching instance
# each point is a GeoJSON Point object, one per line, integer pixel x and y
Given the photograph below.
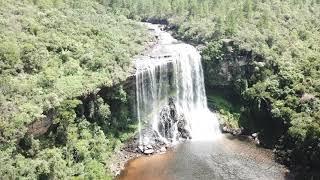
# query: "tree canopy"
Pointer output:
{"type": "Point", "coordinates": [63, 60]}
{"type": "Point", "coordinates": [51, 53]}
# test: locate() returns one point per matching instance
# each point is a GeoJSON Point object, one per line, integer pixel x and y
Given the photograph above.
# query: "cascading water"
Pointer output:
{"type": "Point", "coordinates": [170, 87]}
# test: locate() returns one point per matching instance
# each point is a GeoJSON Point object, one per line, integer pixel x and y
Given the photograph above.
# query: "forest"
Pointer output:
{"type": "Point", "coordinates": [63, 61]}
{"type": "Point", "coordinates": [53, 54]}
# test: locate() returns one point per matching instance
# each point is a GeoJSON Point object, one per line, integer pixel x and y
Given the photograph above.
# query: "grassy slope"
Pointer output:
{"type": "Point", "coordinates": [50, 52]}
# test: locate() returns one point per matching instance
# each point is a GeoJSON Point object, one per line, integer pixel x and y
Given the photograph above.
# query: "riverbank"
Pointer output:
{"type": "Point", "coordinates": [127, 152]}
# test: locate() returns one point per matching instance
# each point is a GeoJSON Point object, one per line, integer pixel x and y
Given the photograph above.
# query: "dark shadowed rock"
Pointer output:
{"type": "Point", "coordinates": [183, 131]}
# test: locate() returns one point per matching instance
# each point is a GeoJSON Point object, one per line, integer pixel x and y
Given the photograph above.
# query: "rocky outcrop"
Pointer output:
{"type": "Point", "coordinates": [171, 121]}
{"type": "Point", "coordinates": [182, 130]}
{"type": "Point", "coordinates": [172, 127]}
{"type": "Point", "coordinates": [229, 64]}
{"type": "Point", "coordinates": [168, 119]}
{"type": "Point", "coordinates": [41, 125]}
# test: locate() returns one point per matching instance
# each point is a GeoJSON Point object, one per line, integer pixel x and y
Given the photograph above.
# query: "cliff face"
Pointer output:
{"type": "Point", "coordinates": [233, 70]}
{"type": "Point", "coordinates": [249, 75]}
{"type": "Point", "coordinates": [119, 100]}
{"type": "Point", "coordinates": [226, 64]}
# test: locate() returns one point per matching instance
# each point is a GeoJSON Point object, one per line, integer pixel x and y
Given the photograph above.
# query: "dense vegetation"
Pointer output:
{"type": "Point", "coordinates": [227, 106]}
{"type": "Point", "coordinates": [57, 60]}
{"type": "Point", "coordinates": [278, 43]}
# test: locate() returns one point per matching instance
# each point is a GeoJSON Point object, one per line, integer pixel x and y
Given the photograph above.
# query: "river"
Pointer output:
{"type": "Point", "coordinates": [225, 158]}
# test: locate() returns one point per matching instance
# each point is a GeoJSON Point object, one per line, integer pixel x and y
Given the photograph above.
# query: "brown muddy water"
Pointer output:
{"type": "Point", "coordinates": [225, 158]}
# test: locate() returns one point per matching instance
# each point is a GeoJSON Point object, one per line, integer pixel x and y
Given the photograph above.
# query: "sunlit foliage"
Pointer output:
{"type": "Point", "coordinates": [52, 52]}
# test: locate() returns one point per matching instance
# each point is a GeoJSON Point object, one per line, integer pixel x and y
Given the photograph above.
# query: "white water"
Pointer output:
{"type": "Point", "coordinates": [173, 69]}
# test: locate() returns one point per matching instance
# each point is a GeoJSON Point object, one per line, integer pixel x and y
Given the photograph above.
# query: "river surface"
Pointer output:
{"type": "Point", "coordinates": [225, 158]}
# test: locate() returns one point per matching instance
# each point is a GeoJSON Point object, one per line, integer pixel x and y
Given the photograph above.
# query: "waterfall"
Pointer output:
{"type": "Point", "coordinates": [173, 71]}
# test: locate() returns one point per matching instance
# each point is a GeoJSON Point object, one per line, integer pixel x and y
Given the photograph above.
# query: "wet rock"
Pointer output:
{"type": "Point", "coordinates": [183, 131]}
{"type": "Point", "coordinates": [254, 135]}
{"type": "Point", "coordinates": [163, 149]}
{"type": "Point", "coordinates": [186, 134]}
{"type": "Point", "coordinates": [148, 151]}
{"type": "Point", "coordinates": [173, 110]}
{"type": "Point", "coordinates": [141, 149]}
{"type": "Point", "coordinates": [182, 122]}
{"type": "Point", "coordinates": [172, 127]}
{"type": "Point", "coordinates": [168, 118]}
{"type": "Point", "coordinates": [170, 121]}
{"type": "Point", "coordinates": [225, 129]}
{"type": "Point", "coordinates": [256, 140]}
{"type": "Point", "coordinates": [238, 131]}
{"type": "Point", "coordinates": [166, 123]}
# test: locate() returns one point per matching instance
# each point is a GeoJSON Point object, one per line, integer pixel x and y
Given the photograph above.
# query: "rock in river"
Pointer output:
{"type": "Point", "coordinates": [148, 151]}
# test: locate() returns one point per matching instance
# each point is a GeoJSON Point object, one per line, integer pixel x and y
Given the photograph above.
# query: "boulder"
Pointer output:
{"type": "Point", "coordinates": [148, 151]}
{"type": "Point", "coordinates": [163, 149]}
{"type": "Point", "coordinates": [140, 148]}
{"type": "Point", "coordinates": [254, 135]}
{"type": "Point", "coordinates": [225, 129]}
{"type": "Point", "coordinates": [149, 146]}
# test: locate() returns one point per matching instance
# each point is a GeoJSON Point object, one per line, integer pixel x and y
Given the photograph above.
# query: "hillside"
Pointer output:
{"type": "Point", "coordinates": [51, 53]}
{"type": "Point", "coordinates": [65, 107]}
